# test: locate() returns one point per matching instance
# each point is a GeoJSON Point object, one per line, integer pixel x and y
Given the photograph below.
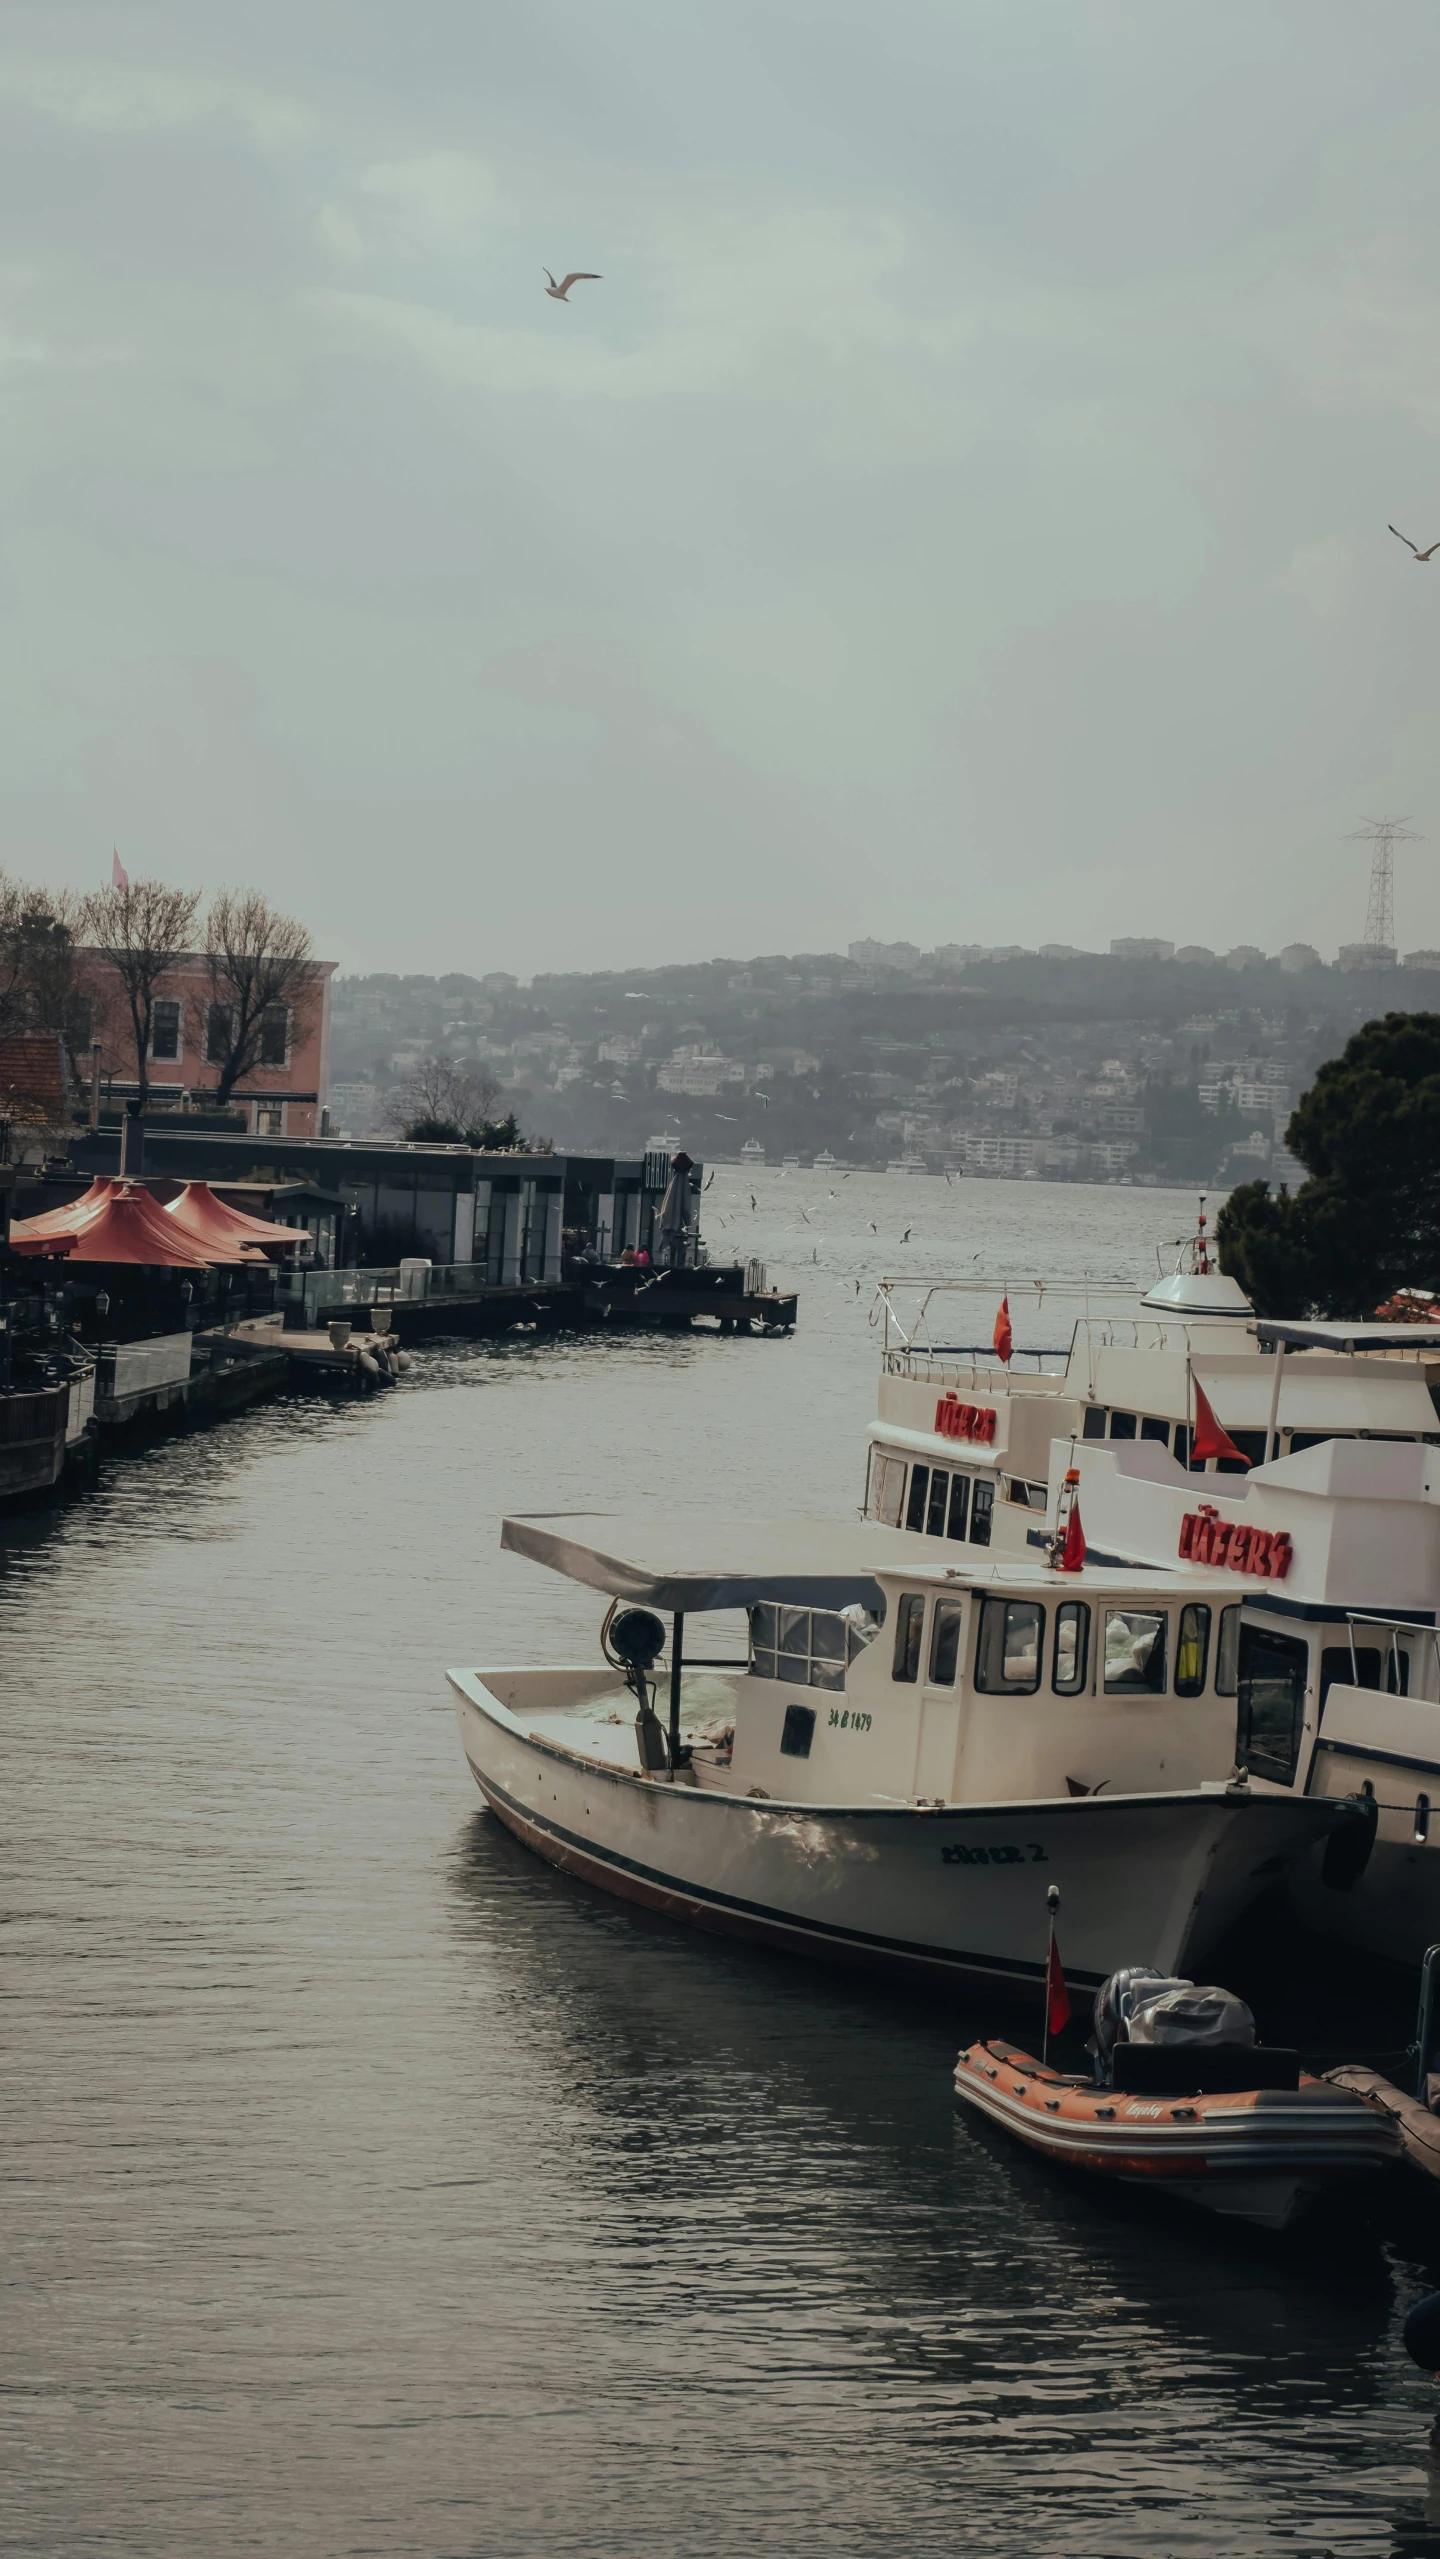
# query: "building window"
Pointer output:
{"type": "Point", "coordinates": [1134, 1652]}
{"type": "Point", "coordinates": [1007, 1657]}
{"type": "Point", "coordinates": [1072, 1648]}
{"type": "Point", "coordinates": [165, 1029]}
{"type": "Point", "coordinates": [1271, 1714]}
{"type": "Point", "coordinates": [274, 1035]}
{"type": "Point", "coordinates": [269, 1119]}
{"type": "Point", "coordinates": [1192, 1650]}
{"type": "Point", "coordinates": [217, 1034]}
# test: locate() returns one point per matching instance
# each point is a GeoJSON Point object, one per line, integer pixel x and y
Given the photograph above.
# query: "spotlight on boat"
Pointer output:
{"type": "Point", "coordinates": [636, 1637]}
{"type": "Point", "coordinates": [1421, 2333]}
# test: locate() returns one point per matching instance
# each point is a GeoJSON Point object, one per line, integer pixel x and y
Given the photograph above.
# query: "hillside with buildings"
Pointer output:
{"type": "Point", "coordinates": [1142, 1063]}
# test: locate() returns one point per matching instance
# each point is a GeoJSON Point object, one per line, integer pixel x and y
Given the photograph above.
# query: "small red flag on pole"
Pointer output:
{"type": "Point", "coordinates": [1211, 1439]}
{"type": "Point", "coordinates": [1057, 1997]}
{"type": "Point", "coordinates": [1004, 1338]}
{"type": "Point", "coordinates": [1074, 1550]}
{"type": "Point", "coordinates": [119, 876]}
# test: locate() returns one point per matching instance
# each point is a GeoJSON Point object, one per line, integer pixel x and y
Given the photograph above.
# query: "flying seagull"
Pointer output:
{"type": "Point", "coordinates": [1410, 546]}
{"type": "Point", "coordinates": [561, 292]}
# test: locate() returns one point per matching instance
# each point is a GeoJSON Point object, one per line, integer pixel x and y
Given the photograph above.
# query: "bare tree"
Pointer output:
{"type": "Point", "coordinates": [445, 1103]}
{"type": "Point", "coordinates": [264, 986]}
{"type": "Point", "coordinates": [39, 980]}
{"type": "Point", "coordinates": [141, 930]}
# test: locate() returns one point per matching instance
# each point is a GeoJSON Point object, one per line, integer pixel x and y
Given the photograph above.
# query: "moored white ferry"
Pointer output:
{"type": "Point", "coordinates": [1324, 1525]}
{"type": "Point", "coordinates": [902, 1757]}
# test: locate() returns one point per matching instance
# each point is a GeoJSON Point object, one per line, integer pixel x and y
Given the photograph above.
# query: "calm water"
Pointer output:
{"type": "Point", "coordinates": [372, 2189]}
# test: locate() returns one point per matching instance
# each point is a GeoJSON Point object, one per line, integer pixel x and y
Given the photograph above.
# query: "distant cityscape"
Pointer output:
{"type": "Point", "coordinates": [1143, 1063]}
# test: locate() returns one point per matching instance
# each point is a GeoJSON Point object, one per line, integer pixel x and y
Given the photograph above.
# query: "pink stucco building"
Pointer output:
{"type": "Point", "coordinates": [285, 1092]}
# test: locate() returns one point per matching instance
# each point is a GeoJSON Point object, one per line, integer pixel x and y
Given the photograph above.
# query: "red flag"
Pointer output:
{"type": "Point", "coordinates": [119, 876]}
{"type": "Point", "coordinates": [1057, 1997]}
{"type": "Point", "coordinates": [1004, 1338]}
{"type": "Point", "coordinates": [1210, 1439]}
{"type": "Point", "coordinates": [1074, 1550]}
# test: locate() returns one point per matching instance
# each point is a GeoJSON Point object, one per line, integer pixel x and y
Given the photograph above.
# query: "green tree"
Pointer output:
{"type": "Point", "coordinates": [1368, 1220]}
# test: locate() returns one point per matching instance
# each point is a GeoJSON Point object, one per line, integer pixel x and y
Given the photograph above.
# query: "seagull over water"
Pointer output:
{"type": "Point", "coordinates": [561, 292]}
{"type": "Point", "coordinates": [1411, 546]}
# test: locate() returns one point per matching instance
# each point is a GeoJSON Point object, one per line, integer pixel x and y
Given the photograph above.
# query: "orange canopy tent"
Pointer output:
{"type": "Point", "coordinates": [226, 1233]}
{"type": "Point", "coordinates": [125, 1225]}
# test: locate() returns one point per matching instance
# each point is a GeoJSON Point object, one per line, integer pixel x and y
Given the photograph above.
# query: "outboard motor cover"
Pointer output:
{"type": "Point", "coordinates": [1115, 1999]}
{"type": "Point", "coordinates": [1195, 2015]}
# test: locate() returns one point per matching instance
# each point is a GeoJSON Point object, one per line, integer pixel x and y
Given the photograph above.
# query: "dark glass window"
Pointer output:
{"type": "Point", "coordinates": [1192, 1650]}
{"type": "Point", "coordinates": [935, 1514]}
{"type": "Point", "coordinates": [1182, 1444]}
{"type": "Point", "coordinates": [1094, 1421]}
{"type": "Point", "coordinates": [909, 1624]}
{"type": "Point", "coordinates": [217, 1034]}
{"type": "Point", "coordinates": [806, 1646]}
{"type": "Point", "coordinates": [959, 1504]}
{"type": "Point", "coordinates": [1072, 1648]}
{"type": "Point", "coordinates": [982, 1503]}
{"type": "Point", "coordinates": [1152, 1427]}
{"type": "Point", "coordinates": [1367, 1668]}
{"type": "Point", "coordinates": [274, 1035]}
{"type": "Point", "coordinates": [1007, 1657]}
{"type": "Point", "coordinates": [1122, 1425]}
{"type": "Point", "coordinates": [797, 1732]}
{"type": "Point", "coordinates": [919, 1491]}
{"type": "Point", "coordinates": [1134, 1652]}
{"type": "Point", "coordinates": [1271, 1711]}
{"type": "Point", "coordinates": [165, 1029]}
{"type": "Point", "coordinates": [1227, 1653]}
{"type": "Point", "coordinates": [945, 1642]}
{"type": "Point", "coordinates": [1251, 1445]}
{"type": "Point", "coordinates": [1313, 1439]}
{"type": "Point", "coordinates": [764, 1623]}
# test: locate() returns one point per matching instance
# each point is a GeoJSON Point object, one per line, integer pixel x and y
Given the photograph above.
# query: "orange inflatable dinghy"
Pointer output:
{"type": "Point", "coordinates": [1258, 2153]}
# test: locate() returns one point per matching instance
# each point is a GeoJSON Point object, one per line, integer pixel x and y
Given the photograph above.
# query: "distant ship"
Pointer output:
{"type": "Point", "coordinates": [752, 1152]}
{"type": "Point", "coordinates": [907, 1164]}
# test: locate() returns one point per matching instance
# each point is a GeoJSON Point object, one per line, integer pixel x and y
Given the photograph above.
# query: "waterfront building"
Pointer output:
{"type": "Point", "coordinates": [282, 1096]}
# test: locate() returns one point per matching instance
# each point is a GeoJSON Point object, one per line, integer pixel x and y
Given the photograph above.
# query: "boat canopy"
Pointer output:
{"type": "Point", "coordinates": [1348, 1337]}
{"type": "Point", "coordinates": [679, 1563]}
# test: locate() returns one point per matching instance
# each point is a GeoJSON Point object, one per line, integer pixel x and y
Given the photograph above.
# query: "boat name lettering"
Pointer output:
{"type": "Point", "coordinates": [851, 1716]}
{"type": "Point", "coordinates": [1006, 1855]}
{"type": "Point", "coordinates": [954, 1420]}
{"type": "Point", "coordinates": [1206, 1538]}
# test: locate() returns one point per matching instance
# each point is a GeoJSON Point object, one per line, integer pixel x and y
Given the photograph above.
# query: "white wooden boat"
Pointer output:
{"type": "Point", "coordinates": [891, 1768]}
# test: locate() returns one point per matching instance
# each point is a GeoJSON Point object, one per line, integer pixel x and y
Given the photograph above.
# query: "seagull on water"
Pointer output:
{"type": "Point", "coordinates": [561, 292]}
{"type": "Point", "coordinates": [1412, 546]}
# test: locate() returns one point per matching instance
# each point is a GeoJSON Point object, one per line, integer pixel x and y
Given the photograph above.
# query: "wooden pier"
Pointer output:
{"type": "Point", "coordinates": [609, 1297]}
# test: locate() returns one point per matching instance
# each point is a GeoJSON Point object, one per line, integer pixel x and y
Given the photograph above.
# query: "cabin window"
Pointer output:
{"type": "Point", "coordinates": [1072, 1648]}
{"type": "Point", "coordinates": [909, 1626]}
{"type": "Point", "coordinates": [797, 1732]}
{"type": "Point", "coordinates": [888, 1490]}
{"type": "Point", "coordinates": [806, 1646]}
{"type": "Point", "coordinates": [919, 1495]}
{"type": "Point", "coordinates": [1027, 1497]}
{"type": "Point", "coordinates": [945, 1642]}
{"type": "Point", "coordinates": [1252, 1446]}
{"type": "Point", "coordinates": [959, 1504]}
{"type": "Point", "coordinates": [1007, 1658]}
{"type": "Point", "coordinates": [1314, 1439]}
{"type": "Point", "coordinates": [1227, 1654]}
{"type": "Point", "coordinates": [1151, 1427]}
{"type": "Point", "coordinates": [1122, 1425]}
{"type": "Point", "coordinates": [935, 1509]}
{"type": "Point", "coordinates": [1134, 1652]}
{"type": "Point", "coordinates": [1367, 1667]}
{"type": "Point", "coordinates": [1094, 1421]}
{"type": "Point", "coordinates": [982, 1503]}
{"type": "Point", "coordinates": [1182, 1443]}
{"type": "Point", "coordinates": [1192, 1650]}
{"type": "Point", "coordinates": [1271, 1713]}
{"type": "Point", "coordinates": [165, 1029]}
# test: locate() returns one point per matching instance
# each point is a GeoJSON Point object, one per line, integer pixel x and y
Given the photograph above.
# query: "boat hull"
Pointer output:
{"type": "Point", "coordinates": [1263, 2156]}
{"type": "Point", "coordinates": [958, 1890]}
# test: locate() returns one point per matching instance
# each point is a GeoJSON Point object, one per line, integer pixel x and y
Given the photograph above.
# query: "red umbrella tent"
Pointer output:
{"type": "Point", "coordinates": [126, 1226]}
{"type": "Point", "coordinates": [227, 1234]}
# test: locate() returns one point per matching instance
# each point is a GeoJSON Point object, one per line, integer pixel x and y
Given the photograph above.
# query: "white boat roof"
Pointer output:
{"type": "Point", "coordinates": [675, 1562]}
{"type": "Point", "coordinates": [1199, 1293]}
{"type": "Point", "coordinates": [1350, 1337]}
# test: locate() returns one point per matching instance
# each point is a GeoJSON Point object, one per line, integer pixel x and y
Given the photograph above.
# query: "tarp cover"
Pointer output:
{"type": "Point", "coordinates": [674, 1562]}
{"type": "Point", "coordinates": [227, 1233]}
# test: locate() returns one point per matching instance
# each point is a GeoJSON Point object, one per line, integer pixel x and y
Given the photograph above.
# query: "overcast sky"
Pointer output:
{"type": "Point", "coordinates": [960, 513]}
